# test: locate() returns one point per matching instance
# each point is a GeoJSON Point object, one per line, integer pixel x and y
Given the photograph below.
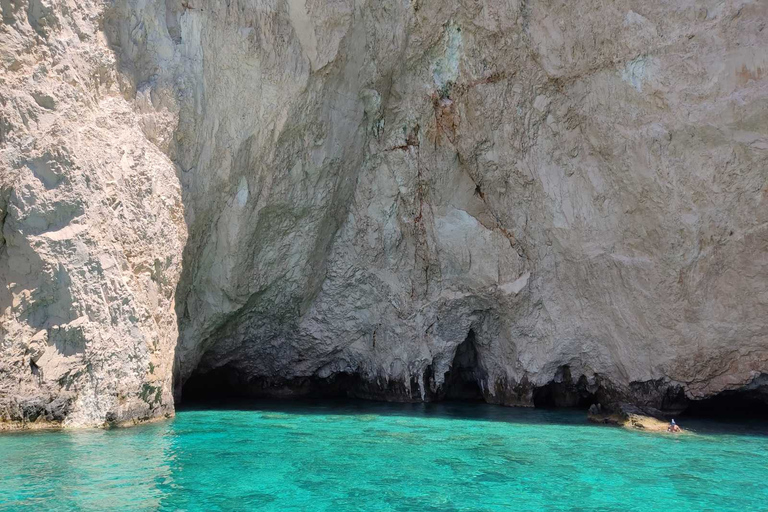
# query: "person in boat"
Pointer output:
{"type": "Point", "coordinates": [673, 427]}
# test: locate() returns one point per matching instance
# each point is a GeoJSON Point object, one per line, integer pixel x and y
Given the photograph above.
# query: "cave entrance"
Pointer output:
{"type": "Point", "coordinates": [744, 404]}
{"type": "Point", "coordinates": [564, 392]}
{"type": "Point", "coordinates": [462, 380]}
{"type": "Point", "coordinates": [228, 384]}
{"type": "Point", "coordinates": [216, 385]}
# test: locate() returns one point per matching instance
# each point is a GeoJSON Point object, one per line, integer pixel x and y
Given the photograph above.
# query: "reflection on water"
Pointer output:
{"type": "Point", "coordinates": [86, 470]}
{"type": "Point", "coordinates": [345, 456]}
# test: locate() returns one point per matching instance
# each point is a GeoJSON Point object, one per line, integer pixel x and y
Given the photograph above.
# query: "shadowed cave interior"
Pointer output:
{"type": "Point", "coordinates": [731, 405]}
{"type": "Point", "coordinates": [462, 380]}
{"type": "Point", "coordinates": [461, 383]}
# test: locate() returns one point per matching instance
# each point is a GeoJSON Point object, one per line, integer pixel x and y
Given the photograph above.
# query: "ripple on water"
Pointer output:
{"type": "Point", "coordinates": [359, 456]}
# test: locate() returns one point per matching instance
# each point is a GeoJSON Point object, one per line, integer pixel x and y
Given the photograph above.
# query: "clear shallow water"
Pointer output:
{"type": "Point", "coordinates": [353, 456]}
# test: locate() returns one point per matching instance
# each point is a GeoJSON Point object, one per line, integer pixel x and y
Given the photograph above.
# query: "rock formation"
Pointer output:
{"type": "Point", "coordinates": [92, 228]}
{"type": "Point", "coordinates": [530, 202]}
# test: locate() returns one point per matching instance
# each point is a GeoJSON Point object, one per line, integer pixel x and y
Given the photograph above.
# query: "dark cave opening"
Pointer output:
{"type": "Point", "coordinates": [462, 380]}
{"type": "Point", "coordinates": [228, 383]}
{"type": "Point", "coordinates": [563, 392]}
{"type": "Point", "coordinates": [212, 386]}
{"type": "Point", "coordinates": [743, 404]}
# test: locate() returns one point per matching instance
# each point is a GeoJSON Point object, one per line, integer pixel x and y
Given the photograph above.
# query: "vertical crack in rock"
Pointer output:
{"type": "Point", "coordinates": [4, 193]}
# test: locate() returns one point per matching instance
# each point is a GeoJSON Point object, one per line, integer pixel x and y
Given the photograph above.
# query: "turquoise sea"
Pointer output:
{"type": "Point", "coordinates": [361, 456]}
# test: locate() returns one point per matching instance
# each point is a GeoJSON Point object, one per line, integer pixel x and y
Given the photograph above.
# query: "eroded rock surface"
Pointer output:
{"type": "Point", "coordinates": [92, 230]}
{"type": "Point", "coordinates": [573, 192]}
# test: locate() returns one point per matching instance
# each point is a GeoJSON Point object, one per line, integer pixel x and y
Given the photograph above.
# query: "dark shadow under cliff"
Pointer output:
{"type": "Point", "coordinates": [463, 382]}
{"type": "Point", "coordinates": [736, 405]}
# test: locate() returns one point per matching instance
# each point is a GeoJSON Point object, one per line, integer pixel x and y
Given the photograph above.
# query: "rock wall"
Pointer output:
{"type": "Point", "coordinates": [92, 229]}
{"type": "Point", "coordinates": [574, 192]}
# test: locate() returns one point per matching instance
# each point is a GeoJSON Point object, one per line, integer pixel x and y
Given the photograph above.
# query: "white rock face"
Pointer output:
{"type": "Point", "coordinates": [578, 191]}
{"type": "Point", "coordinates": [92, 228]}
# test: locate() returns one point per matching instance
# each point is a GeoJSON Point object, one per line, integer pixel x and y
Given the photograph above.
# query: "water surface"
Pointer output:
{"type": "Point", "coordinates": [353, 456]}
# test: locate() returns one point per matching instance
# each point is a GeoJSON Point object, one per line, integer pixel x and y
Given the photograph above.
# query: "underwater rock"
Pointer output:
{"type": "Point", "coordinates": [630, 416]}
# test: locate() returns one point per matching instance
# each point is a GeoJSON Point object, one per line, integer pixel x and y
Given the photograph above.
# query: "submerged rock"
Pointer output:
{"type": "Point", "coordinates": [528, 204]}
{"type": "Point", "coordinates": [632, 417]}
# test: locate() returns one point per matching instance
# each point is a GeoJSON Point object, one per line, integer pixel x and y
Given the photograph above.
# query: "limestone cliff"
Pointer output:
{"type": "Point", "coordinates": [92, 228]}
{"type": "Point", "coordinates": [409, 200]}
